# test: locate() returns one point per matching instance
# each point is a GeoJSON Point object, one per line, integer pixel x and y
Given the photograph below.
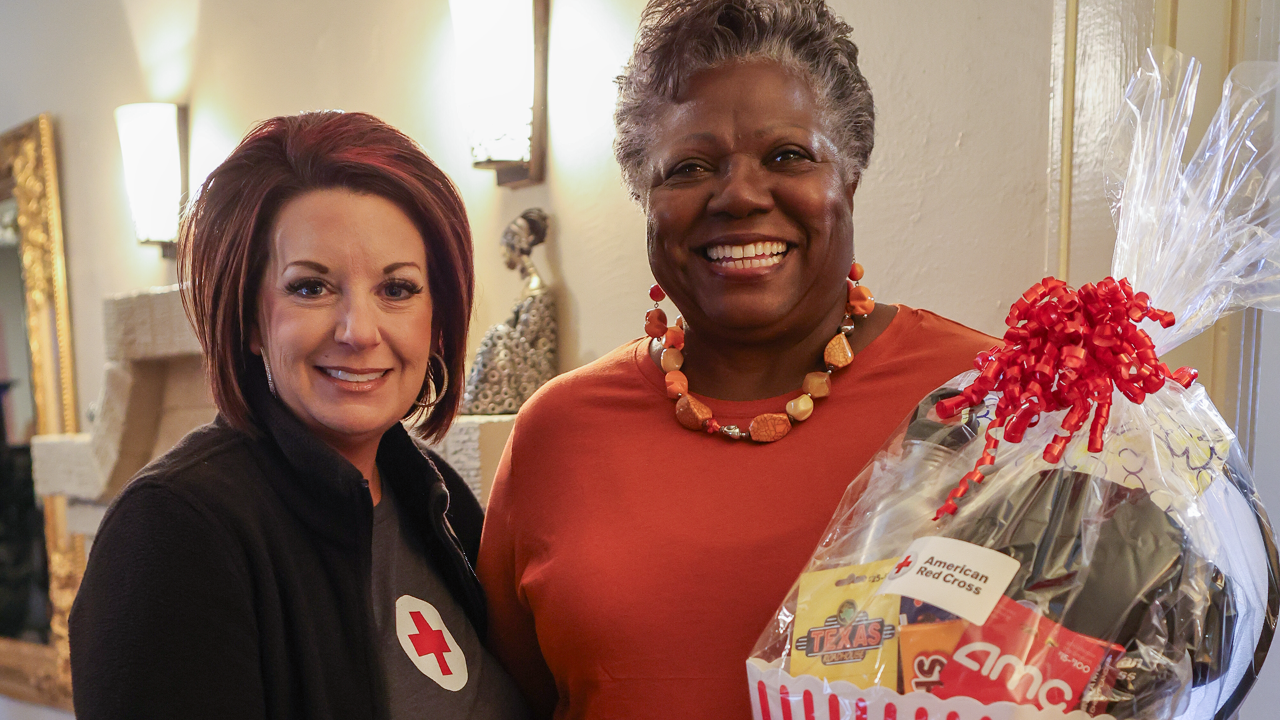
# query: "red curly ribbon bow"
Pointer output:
{"type": "Point", "coordinates": [1064, 349]}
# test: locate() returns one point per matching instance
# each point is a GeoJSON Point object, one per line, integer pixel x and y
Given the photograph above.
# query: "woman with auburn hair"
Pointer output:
{"type": "Point", "coordinates": [654, 507]}
{"type": "Point", "coordinates": [302, 556]}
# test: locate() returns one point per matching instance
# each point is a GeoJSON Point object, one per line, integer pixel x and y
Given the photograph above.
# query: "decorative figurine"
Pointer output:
{"type": "Point", "coordinates": [517, 356]}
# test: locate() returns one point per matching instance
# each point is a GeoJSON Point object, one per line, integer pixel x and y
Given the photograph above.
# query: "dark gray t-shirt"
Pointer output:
{"type": "Point", "coordinates": [433, 662]}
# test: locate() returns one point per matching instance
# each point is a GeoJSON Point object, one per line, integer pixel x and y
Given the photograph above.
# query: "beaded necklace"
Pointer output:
{"type": "Point", "coordinates": [694, 414]}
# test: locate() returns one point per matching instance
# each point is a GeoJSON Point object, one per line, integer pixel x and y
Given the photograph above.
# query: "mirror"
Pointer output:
{"type": "Point", "coordinates": [36, 397]}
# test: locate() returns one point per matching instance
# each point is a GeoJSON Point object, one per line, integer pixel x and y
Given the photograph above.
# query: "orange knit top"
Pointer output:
{"type": "Point", "coordinates": [631, 564]}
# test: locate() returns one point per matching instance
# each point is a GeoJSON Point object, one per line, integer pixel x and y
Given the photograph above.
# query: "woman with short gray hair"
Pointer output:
{"type": "Point", "coordinates": [654, 507]}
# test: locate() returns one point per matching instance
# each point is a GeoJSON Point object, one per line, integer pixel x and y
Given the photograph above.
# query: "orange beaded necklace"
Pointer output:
{"type": "Point", "coordinates": [766, 427]}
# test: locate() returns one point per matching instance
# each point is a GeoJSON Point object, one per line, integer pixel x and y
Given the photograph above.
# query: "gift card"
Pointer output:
{"type": "Point", "coordinates": [843, 629]}
{"type": "Point", "coordinates": [1022, 657]}
{"type": "Point", "coordinates": [926, 648]}
{"type": "Point", "coordinates": [913, 611]}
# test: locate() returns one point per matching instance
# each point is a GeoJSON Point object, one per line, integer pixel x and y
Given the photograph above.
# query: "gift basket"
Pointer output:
{"type": "Point", "coordinates": [1070, 529]}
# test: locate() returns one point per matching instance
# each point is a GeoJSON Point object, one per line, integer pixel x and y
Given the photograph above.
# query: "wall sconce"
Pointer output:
{"type": "Point", "coordinates": [153, 140]}
{"type": "Point", "coordinates": [502, 57]}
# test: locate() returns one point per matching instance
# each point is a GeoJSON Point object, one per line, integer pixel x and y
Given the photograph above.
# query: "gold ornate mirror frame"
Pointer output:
{"type": "Point", "coordinates": [29, 172]}
{"type": "Point", "coordinates": [28, 161]}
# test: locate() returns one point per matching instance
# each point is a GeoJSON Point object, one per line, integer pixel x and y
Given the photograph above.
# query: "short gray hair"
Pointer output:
{"type": "Point", "coordinates": [679, 38]}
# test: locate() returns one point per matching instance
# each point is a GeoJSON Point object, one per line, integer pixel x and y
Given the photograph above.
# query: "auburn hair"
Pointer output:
{"type": "Point", "coordinates": [223, 245]}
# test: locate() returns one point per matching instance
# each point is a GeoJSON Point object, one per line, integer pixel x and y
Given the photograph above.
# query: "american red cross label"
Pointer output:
{"type": "Point", "coordinates": [959, 577]}
{"type": "Point", "coordinates": [429, 644]}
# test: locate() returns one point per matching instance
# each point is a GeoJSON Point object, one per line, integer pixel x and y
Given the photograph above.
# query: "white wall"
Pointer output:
{"type": "Point", "coordinates": [951, 214]}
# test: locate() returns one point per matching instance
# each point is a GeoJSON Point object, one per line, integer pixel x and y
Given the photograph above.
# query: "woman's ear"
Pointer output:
{"type": "Point", "coordinates": [255, 340]}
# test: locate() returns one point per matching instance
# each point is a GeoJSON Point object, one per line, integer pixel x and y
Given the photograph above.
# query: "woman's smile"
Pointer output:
{"type": "Point", "coordinates": [353, 379]}
{"type": "Point", "coordinates": [731, 258]}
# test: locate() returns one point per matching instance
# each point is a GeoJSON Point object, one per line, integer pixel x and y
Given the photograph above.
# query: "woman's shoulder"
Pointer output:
{"type": "Point", "coordinates": [612, 372]}
{"type": "Point", "coordinates": [934, 333]}
{"type": "Point", "coordinates": [925, 347]}
{"type": "Point", "coordinates": [211, 473]}
{"type": "Point", "coordinates": [204, 455]}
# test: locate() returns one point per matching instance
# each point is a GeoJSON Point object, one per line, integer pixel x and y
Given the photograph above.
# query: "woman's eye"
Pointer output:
{"type": "Point", "coordinates": [306, 288]}
{"type": "Point", "coordinates": [685, 170]}
{"type": "Point", "coordinates": [401, 289]}
{"type": "Point", "coordinates": [787, 155]}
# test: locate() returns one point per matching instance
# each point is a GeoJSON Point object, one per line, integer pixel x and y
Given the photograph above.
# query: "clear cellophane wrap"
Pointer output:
{"type": "Point", "coordinates": [1096, 496]}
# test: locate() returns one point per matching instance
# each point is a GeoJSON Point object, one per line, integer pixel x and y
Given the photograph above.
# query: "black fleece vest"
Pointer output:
{"type": "Point", "coordinates": [231, 577]}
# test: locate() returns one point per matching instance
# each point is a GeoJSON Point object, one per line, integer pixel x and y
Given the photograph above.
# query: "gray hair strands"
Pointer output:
{"type": "Point", "coordinates": [679, 38]}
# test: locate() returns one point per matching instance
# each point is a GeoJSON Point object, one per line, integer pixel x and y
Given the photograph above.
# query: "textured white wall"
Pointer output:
{"type": "Point", "coordinates": [951, 214]}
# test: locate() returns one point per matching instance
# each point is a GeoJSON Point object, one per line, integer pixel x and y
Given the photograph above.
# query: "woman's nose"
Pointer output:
{"type": "Point", "coordinates": [744, 190]}
{"type": "Point", "coordinates": [357, 325]}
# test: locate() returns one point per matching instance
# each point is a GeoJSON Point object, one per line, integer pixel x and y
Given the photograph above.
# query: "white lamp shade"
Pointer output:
{"type": "Point", "coordinates": [152, 167]}
{"type": "Point", "coordinates": [494, 40]}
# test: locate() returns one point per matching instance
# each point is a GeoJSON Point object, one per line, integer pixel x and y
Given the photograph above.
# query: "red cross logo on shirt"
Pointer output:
{"type": "Point", "coordinates": [429, 644]}
{"type": "Point", "coordinates": [429, 641]}
{"type": "Point", "coordinates": [906, 563]}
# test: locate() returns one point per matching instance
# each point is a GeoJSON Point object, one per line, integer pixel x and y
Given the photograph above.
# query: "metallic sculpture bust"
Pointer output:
{"type": "Point", "coordinates": [517, 356]}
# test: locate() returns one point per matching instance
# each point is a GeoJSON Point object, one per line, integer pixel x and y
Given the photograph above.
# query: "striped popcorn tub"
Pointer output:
{"type": "Point", "coordinates": [778, 696]}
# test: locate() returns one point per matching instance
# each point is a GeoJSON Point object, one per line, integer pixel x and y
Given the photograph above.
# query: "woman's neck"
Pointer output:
{"type": "Point", "coordinates": [721, 368]}
{"type": "Point", "coordinates": [364, 456]}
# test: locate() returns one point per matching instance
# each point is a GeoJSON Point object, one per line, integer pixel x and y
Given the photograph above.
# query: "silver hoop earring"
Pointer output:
{"type": "Point", "coordinates": [271, 383]}
{"type": "Point", "coordinates": [436, 393]}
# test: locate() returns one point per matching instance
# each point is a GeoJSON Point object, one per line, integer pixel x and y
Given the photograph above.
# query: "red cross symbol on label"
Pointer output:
{"type": "Point", "coordinates": [429, 641]}
{"type": "Point", "coordinates": [902, 566]}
